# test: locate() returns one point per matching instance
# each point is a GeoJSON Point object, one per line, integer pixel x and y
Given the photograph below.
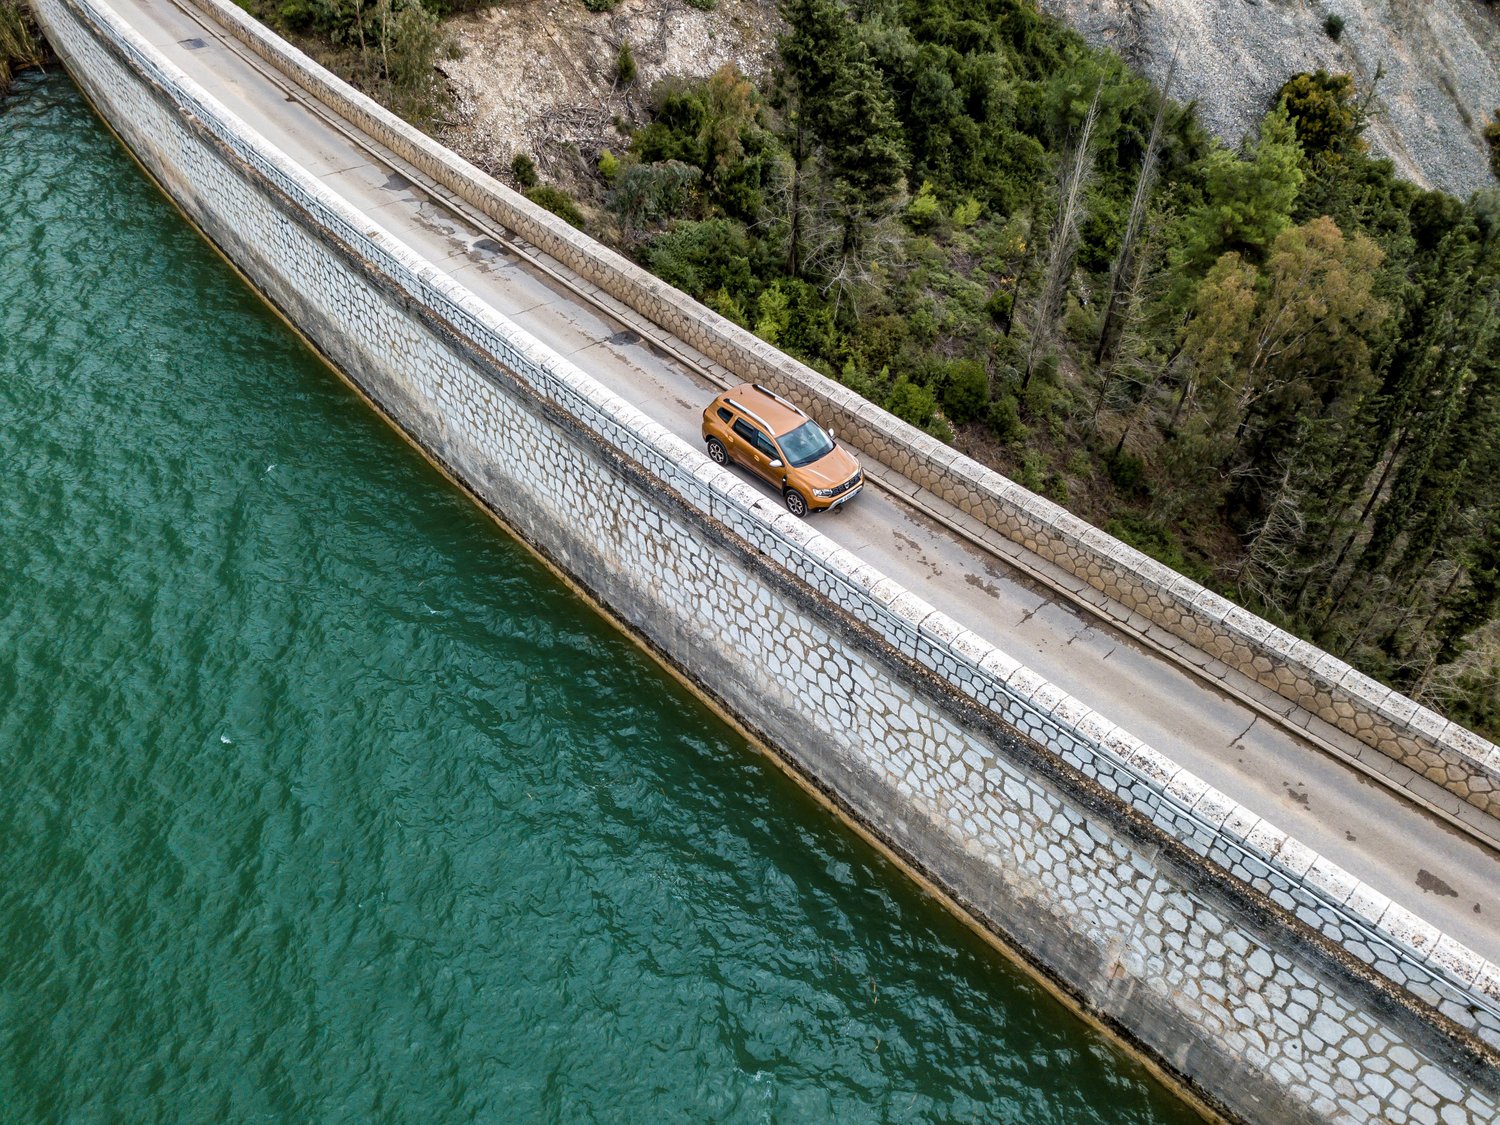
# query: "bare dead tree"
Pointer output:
{"type": "Point", "coordinates": [1128, 262]}
{"type": "Point", "coordinates": [1270, 555]}
{"type": "Point", "coordinates": [1062, 247]}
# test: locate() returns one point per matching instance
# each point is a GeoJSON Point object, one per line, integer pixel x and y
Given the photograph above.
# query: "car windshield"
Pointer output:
{"type": "Point", "coordinates": [805, 444]}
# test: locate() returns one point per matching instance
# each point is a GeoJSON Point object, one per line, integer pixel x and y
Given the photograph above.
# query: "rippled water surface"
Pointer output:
{"type": "Point", "coordinates": [321, 800]}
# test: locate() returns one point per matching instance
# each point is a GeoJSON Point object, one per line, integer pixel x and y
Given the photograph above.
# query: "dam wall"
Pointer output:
{"type": "Point", "coordinates": [1218, 634]}
{"type": "Point", "coordinates": [1269, 982]}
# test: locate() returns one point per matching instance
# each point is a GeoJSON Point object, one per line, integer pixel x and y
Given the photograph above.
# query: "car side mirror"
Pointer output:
{"type": "Point", "coordinates": [775, 464]}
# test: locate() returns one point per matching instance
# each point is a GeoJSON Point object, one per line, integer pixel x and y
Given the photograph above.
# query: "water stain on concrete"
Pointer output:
{"type": "Point", "coordinates": [1430, 882]}
{"type": "Point", "coordinates": [1301, 798]}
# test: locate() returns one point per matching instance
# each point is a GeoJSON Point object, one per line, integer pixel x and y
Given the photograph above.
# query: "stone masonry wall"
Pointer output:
{"type": "Point", "coordinates": [1428, 744]}
{"type": "Point", "coordinates": [1261, 975]}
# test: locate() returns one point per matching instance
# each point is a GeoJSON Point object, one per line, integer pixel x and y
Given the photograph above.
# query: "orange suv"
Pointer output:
{"type": "Point", "coordinates": [779, 443]}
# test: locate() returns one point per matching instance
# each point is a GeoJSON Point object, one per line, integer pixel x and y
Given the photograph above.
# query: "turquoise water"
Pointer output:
{"type": "Point", "coordinates": [322, 800]}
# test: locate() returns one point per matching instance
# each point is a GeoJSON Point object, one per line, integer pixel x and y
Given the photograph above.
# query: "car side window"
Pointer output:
{"type": "Point", "coordinates": [725, 415]}
{"type": "Point", "coordinates": [746, 431]}
{"type": "Point", "coordinates": [765, 445]}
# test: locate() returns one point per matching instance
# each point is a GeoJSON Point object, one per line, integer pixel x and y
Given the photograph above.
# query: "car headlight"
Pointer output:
{"type": "Point", "coordinates": [824, 492]}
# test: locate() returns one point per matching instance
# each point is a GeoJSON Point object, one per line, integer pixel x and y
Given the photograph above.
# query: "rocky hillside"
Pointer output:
{"type": "Point", "coordinates": [539, 75]}
{"type": "Point", "coordinates": [1441, 62]}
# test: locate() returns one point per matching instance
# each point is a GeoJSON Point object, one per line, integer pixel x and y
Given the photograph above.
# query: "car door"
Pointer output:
{"type": "Point", "coordinates": [756, 451]}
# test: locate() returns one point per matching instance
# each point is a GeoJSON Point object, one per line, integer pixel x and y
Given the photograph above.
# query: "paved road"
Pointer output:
{"type": "Point", "coordinates": [1380, 836]}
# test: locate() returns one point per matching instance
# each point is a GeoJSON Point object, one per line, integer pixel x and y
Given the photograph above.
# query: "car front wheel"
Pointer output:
{"type": "Point", "coordinates": [717, 453]}
{"type": "Point", "coordinates": [796, 503]}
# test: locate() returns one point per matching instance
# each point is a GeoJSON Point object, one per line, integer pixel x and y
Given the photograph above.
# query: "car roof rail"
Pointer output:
{"type": "Point", "coordinates": [751, 414]}
{"type": "Point", "coordinates": [767, 391]}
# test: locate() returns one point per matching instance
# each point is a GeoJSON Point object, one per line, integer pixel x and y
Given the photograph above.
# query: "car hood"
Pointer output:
{"type": "Point", "coordinates": [830, 470]}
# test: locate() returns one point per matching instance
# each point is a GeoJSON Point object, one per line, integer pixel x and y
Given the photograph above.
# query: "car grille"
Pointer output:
{"type": "Point", "coordinates": [847, 485]}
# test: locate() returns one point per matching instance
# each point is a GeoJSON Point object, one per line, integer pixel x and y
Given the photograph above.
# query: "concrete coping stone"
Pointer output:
{"type": "Point", "coordinates": [743, 496]}
{"type": "Point", "coordinates": [1415, 933]}
{"type": "Point", "coordinates": [1208, 604]}
{"type": "Point", "coordinates": [1246, 624]}
{"type": "Point", "coordinates": [1265, 839]}
{"type": "Point", "coordinates": [942, 628]}
{"type": "Point", "coordinates": [1294, 857]}
{"type": "Point", "coordinates": [1000, 665]}
{"type": "Point", "coordinates": [1023, 682]}
{"type": "Point", "coordinates": [886, 591]}
{"type": "Point", "coordinates": [1398, 709]}
{"type": "Point", "coordinates": [969, 472]}
{"type": "Point", "coordinates": [843, 562]}
{"type": "Point", "coordinates": [1487, 983]}
{"type": "Point", "coordinates": [1120, 743]}
{"type": "Point", "coordinates": [1328, 670]}
{"type": "Point", "coordinates": [911, 608]}
{"type": "Point", "coordinates": [1048, 697]}
{"type": "Point", "coordinates": [1368, 904]}
{"type": "Point", "coordinates": [1214, 807]}
{"type": "Point", "coordinates": [790, 528]}
{"type": "Point", "coordinates": [865, 575]}
{"type": "Point", "coordinates": [1429, 724]}
{"type": "Point", "coordinates": [1456, 960]}
{"type": "Point", "coordinates": [1370, 693]}
{"type": "Point", "coordinates": [1240, 822]}
{"type": "Point", "coordinates": [1070, 711]}
{"type": "Point", "coordinates": [1333, 881]}
{"type": "Point", "coordinates": [1491, 761]}
{"type": "Point", "coordinates": [1180, 589]}
{"type": "Point", "coordinates": [971, 647]}
{"type": "Point", "coordinates": [1094, 727]}
{"type": "Point", "coordinates": [658, 436]}
{"type": "Point", "coordinates": [1187, 788]}
{"type": "Point", "coordinates": [1154, 766]}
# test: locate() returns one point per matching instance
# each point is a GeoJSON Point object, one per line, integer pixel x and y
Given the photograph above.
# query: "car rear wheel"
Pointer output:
{"type": "Point", "coordinates": [717, 453]}
{"type": "Point", "coordinates": [796, 503]}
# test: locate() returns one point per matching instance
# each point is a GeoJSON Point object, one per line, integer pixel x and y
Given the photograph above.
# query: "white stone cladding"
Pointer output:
{"type": "Point", "coordinates": [1434, 749]}
{"type": "Point", "coordinates": [1167, 910]}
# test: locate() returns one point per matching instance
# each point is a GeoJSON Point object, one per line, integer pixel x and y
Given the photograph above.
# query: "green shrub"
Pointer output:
{"type": "Point", "coordinates": [1005, 420]}
{"type": "Point", "coordinates": [1127, 473]}
{"type": "Point", "coordinates": [999, 306]}
{"type": "Point", "coordinates": [558, 202]}
{"type": "Point", "coordinates": [624, 66]}
{"type": "Point", "coordinates": [523, 171]}
{"type": "Point", "coordinates": [609, 165]}
{"type": "Point", "coordinates": [726, 306]}
{"type": "Point", "coordinates": [967, 213]}
{"type": "Point", "coordinates": [912, 402]}
{"type": "Point", "coordinates": [966, 390]}
{"type": "Point", "coordinates": [924, 211]}
{"type": "Point", "coordinates": [701, 257]}
{"type": "Point", "coordinates": [599, 5]}
{"type": "Point", "coordinates": [703, 5]}
{"type": "Point", "coordinates": [1333, 26]}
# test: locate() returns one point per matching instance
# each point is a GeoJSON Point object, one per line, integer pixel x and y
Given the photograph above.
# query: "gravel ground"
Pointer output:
{"type": "Point", "coordinates": [1441, 62]}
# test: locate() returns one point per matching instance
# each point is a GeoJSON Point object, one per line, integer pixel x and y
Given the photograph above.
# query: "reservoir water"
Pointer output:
{"type": "Point", "coordinates": [322, 800]}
